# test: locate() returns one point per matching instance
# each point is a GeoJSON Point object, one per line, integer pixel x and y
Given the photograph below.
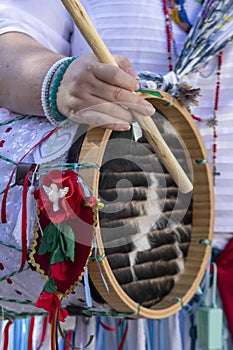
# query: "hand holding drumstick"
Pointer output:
{"type": "Point", "coordinates": [153, 135]}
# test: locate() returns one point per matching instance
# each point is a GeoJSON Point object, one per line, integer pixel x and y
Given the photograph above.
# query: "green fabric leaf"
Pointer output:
{"type": "Point", "coordinates": [46, 243]}
{"type": "Point", "coordinates": [56, 236]}
{"type": "Point", "coordinates": [152, 92]}
{"type": "Point", "coordinates": [57, 256]}
{"type": "Point", "coordinates": [49, 286]}
{"type": "Point", "coordinates": [67, 240]}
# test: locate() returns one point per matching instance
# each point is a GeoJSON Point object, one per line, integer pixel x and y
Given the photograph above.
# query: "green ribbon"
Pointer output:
{"type": "Point", "coordinates": [202, 161]}
{"type": "Point", "coordinates": [111, 314]}
{"type": "Point", "coordinates": [151, 92]}
{"type": "Point", "coordinates": [7, 122]}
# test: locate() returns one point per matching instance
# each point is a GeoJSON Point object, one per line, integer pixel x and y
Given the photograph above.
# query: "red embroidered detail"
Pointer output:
{"type": "Point", "coordinates": [18, 292]}
{"type": "Point", "coordinates": [2, 266]}
{"type": "Point", "coordinates": [8, 129]}
{"type": "Point", "coordinates": [9, 281]}
{"type": "Point", "coordinates": [2, 143]}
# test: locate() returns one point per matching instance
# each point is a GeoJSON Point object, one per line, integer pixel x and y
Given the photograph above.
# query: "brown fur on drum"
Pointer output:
{"type": "Point", "coordinates": [145, 225]}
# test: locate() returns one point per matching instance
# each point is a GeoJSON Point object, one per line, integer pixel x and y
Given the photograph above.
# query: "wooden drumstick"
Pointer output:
{"type": "Point", "coordinates": [84, 24]}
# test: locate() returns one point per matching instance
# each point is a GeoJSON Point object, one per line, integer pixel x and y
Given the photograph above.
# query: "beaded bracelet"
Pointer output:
{"type": "Point", "coordinates": [54, 88]}
{"type": "Point", "coordinates": [48, 98]}
{"type": "Point", "coordinates": [45, 90]}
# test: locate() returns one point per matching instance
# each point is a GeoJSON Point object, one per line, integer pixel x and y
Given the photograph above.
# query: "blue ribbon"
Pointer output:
{"type": "Point", "coordinates": [87, 289]}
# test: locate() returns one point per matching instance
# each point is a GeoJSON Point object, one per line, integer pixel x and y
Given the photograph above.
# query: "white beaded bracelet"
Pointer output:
{"type": "Point", "coordinates": [45, 92]}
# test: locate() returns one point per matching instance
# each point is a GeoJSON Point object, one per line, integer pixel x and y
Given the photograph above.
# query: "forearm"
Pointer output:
{"type": "Point", "coordinates": [90, 92]}
{"type": "Point", "coordinates": [23, 66]}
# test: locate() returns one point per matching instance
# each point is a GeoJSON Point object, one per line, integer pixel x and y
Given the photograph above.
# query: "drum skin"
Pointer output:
{"type": "Point", "coordinates": [202, 211]}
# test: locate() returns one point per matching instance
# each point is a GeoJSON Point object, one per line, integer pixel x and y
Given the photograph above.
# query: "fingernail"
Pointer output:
{"type": "Point", "coordinates": [124, 127]}
{"type": "Point", "coordinates": [149, 110]}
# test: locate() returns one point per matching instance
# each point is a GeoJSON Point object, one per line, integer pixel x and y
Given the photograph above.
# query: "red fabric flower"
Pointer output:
{"type": "Point", "coordinates": [50, 302]}
{"type": "Point", "coordinates": [60, 196]}
{"type": "Point", "coordinates": [92, 202]}
{"type": "Point", "coordinates": [63, 313]}
{"type": "Point", "coordinates": [59, 271]}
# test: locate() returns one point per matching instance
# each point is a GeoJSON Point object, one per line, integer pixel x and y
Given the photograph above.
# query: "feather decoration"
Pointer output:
{"type": "Point", "coordinates": [209, 35]}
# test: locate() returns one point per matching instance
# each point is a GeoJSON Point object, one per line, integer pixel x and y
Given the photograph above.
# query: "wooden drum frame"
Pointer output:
{"type": "Point", "coordinates": [196, 262]}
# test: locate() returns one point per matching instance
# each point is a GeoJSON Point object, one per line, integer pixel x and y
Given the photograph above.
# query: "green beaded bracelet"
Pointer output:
{"type": "Point", "coordinates": [55, 86]}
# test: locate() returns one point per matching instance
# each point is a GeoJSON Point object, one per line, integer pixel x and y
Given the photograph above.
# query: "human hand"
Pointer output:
{"type": "Point", "coordinates": [100, 94]}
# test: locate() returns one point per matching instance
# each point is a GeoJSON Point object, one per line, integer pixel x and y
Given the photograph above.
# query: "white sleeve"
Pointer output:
{"type": "Point", "coordinates": [47, 21]}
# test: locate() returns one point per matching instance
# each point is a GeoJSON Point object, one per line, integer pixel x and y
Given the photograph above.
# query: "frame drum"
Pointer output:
{"type": "Point", "coordinates": [134, 260]}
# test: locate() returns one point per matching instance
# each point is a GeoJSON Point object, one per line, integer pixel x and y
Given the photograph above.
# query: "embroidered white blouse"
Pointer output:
{"type": "Point", "coordinates": [136, 29]}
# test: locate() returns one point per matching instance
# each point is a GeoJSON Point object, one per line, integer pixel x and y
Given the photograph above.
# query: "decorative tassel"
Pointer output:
{"type": "Point", "coordinates": [17, 232]}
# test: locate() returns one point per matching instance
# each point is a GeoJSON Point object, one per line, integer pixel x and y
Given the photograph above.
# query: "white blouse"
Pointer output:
{"type": "Point", "coordinates": [136, 29]}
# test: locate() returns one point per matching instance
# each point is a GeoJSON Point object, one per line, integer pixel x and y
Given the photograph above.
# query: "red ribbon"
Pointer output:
{"type": "Point", "coordinates": [30, 334]}
{"type": "Point", "coordinates": [110, 329]}
{"type": "Point", "coordinates": [123, 339]}
{"type": "Point", "coordinates": [3, 211]}
{"type": "Point", "coordinates": [197, 118]}
{"type": "Point", "coordinates": [6, 335]}
{"type": "Point", "coordinates": [68, 338]}
{"type": "Point", "coordinates": [24, 220]}
{"type": "Point", "coordinates": [43, 334]}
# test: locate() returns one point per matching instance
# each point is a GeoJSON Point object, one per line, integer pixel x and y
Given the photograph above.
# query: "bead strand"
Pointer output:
{"type": "Point", "coordinates": [169, 35]}
{"type": "Point", "coordinates": [55, 86]}
{"type": "Point", "coordinates": [45, 90]}
{"type": "Point", "coordinates": [49, 91]}
{"type": "Point", "coordinates": [215, 121]}
{"type": "Point", "coordinates": [212, 122]}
